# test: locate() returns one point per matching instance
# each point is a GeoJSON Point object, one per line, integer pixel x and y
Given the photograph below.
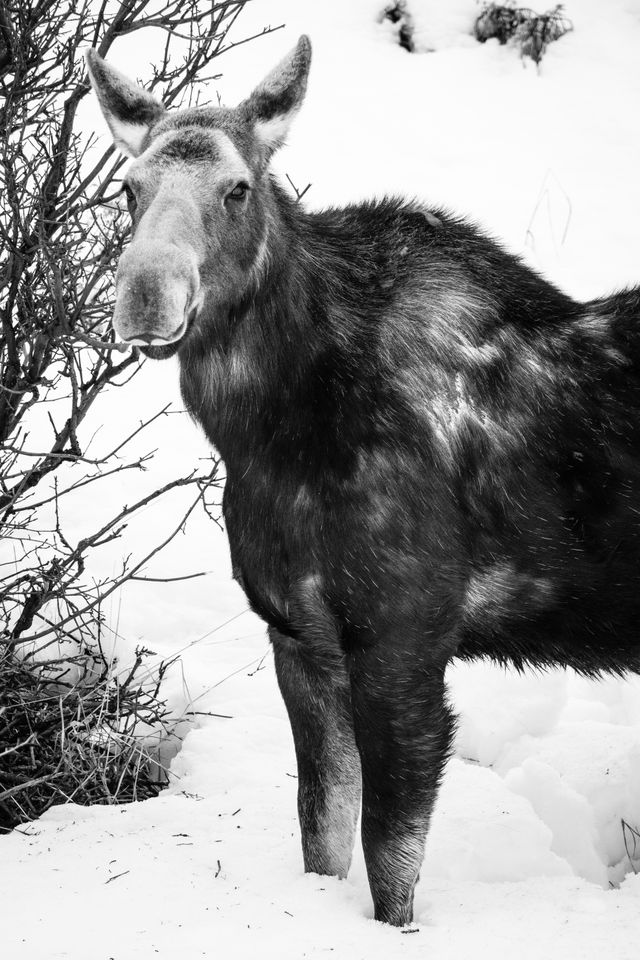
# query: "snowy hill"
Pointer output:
{"type": "Point", "coordinates": [526, 852]}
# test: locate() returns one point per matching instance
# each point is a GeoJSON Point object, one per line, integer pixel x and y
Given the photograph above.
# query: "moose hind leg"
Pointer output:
{"type": "Point", "coordinates": [318, 701]}
{"type": "Point", "coordinates": [404, 729]}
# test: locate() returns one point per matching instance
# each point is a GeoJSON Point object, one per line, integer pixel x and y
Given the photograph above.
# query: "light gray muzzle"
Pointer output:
{"type": "Point", "coordinates": [157, 286]}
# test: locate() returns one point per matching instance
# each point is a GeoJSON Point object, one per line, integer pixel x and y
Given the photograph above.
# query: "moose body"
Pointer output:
{"type": "Point", "coordinates": [431, 452]}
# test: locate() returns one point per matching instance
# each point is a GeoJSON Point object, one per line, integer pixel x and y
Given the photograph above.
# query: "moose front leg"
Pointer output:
{"type": "Point", "coordinates": [403, 730]}
{"type": "Point", "coordinates": [318, 701]}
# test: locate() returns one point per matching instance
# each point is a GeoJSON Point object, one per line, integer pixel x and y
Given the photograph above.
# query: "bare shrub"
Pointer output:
{"type": "Point", "coordinates": [531, 32]}
{"type": "Point", "coordinates": [399, 15]}
{"type": "Point", "coordinates": [68, 721]}
{"type": "Point", "coordinates": [75, 729]}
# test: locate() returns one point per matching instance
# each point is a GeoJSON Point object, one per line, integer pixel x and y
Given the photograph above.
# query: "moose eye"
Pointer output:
{"type": "Point", "coordinates": [131, 199]}
{"type": "Point", "coordinates": [239, 192]}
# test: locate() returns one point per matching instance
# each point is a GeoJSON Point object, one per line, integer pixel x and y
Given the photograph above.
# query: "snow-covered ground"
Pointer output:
{"type": "Point", "coordinates": [526, 853]}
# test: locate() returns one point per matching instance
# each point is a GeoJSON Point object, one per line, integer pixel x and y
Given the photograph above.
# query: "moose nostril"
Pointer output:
{"type": "Point", "coordinates": [146, 339]}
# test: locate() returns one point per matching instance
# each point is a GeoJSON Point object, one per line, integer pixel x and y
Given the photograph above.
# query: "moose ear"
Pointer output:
{"type": "Point", "coordinates": [128, 109]}
{"type": "Point", "coordinates": [275, 102]}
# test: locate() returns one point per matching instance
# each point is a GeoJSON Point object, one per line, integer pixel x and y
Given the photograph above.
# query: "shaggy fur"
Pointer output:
{"type": "Point", "coordinates": [431, 453]}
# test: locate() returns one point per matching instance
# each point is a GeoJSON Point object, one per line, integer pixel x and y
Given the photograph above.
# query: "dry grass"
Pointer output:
{"type": "Point", "coordinates": [397, 12]}
{"type": "Point", "coordinates": [531, 32]}
{"type": "Point", "coordinates": [74, 729]}
{"type": "Point", "coordinates": [631, 838]}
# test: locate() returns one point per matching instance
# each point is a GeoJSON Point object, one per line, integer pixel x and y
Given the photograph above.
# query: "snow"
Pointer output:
{"type": "Point", "coordinates": [526, 853]}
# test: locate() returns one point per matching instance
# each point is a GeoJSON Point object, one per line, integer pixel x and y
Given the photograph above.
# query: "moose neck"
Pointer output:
{"type": "Point", "coordinates": [265, 374]}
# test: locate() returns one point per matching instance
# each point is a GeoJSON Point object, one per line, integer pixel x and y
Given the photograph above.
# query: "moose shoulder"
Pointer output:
{"type": "Point", "coordinates": [431, 452]}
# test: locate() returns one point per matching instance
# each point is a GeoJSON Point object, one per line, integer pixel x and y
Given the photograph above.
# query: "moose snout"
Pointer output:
{"type": "Point", "coordinates": [157, 285]}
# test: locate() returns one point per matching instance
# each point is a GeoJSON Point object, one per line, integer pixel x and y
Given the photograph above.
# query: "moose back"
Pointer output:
{"type": "Point", "coordinates": [431, 452]}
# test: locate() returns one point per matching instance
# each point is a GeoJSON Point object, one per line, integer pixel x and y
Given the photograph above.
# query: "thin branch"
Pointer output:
{"type": "Point", "coordinates": [186, 576]}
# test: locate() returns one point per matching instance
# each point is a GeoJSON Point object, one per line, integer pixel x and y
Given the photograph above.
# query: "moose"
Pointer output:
{"type": "Point", "coordinates": [431, 452]}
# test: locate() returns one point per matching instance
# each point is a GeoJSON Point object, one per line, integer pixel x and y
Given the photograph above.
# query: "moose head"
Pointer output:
{"type": "Point", "coordinates": [199, 196]}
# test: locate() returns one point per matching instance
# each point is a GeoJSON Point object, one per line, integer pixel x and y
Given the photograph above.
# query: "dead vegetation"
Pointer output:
{"type": "Point", "coordinates": [531, 32]}
{"type": "Point", "coordinates": [75, 729]}
{"type": "Point", "coordinates": [72, 726]}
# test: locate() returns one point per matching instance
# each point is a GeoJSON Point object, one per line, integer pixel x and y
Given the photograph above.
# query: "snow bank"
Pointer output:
{"type": "Point", "coordinates": [526, 836]}
{"type": "Point", "coordinates": [484, 830]}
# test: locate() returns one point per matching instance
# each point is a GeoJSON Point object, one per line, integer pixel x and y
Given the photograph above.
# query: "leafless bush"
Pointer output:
{"type": "Point", "coordinates": [74, 729]}
{"type": "Point", "coordinates": [399, 15]}
{"type": "Point", "coordinates": [62, 228]}
{"type": "Point", "coordinates": [531, 32]}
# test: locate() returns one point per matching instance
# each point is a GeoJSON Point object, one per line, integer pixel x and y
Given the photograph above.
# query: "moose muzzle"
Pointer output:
{"type": "Point", "coordinates": [157, 288]}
